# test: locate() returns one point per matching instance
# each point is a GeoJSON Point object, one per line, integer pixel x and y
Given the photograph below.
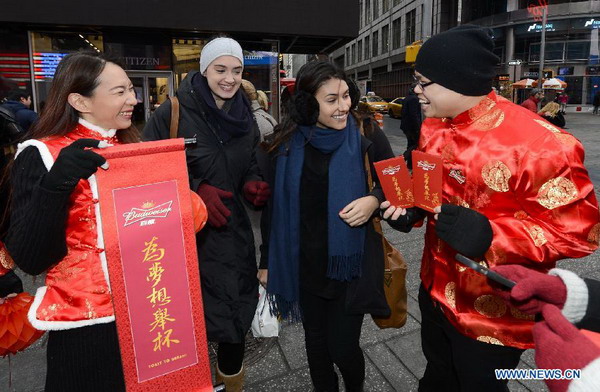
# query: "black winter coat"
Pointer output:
{"type": "Point", "coordinates": [365, 294]}
{"type": "Point", "coordinates": [226, 255]}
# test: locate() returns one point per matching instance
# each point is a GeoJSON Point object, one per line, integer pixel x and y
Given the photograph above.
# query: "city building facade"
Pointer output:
{"type": "Point", "coordinates": [376, 58]}
{"type": "Point", "coordinates": [160, 42]}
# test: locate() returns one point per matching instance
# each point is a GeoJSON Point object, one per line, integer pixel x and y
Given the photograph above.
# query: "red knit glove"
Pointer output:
{"type": "Point", "coordinates": [257, 192]}
{"type": "Point", "coordinates": [533, 289]}
{"type": "Point", "coordinates": [560, 345]}
{"type": "Point", "coordinates": [212, 197]}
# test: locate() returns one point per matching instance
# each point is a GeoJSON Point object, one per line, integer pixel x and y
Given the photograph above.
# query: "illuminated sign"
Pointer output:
{"type": "Point", "coordinates": [592, 24]}
{"type": "Point", "coordinates": [536, 9]}
{"type": "Point", "coordinates": [537, 27]}
{"type": "Point", "coordinates": [44, 64]}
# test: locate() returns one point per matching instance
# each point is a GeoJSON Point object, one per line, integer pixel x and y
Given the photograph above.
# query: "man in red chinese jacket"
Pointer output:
{"type": "Point", "coordinates": [514, 191]}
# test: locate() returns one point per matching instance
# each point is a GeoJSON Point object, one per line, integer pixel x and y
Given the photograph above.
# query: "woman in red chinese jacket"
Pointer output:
{"type": "Point", "coordinates": [53, 222]}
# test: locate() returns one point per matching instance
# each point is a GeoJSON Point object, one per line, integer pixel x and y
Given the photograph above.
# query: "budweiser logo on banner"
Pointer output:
{"type": "Point", "coordinates": [391, 170]}
{"type": "Point", "coordinates": [426, 165]}
{"type": "Point", "coordinates": [148, 211]}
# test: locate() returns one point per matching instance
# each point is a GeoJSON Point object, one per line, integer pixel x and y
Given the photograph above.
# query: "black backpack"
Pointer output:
{"type": "Point", "coordinates": [10, 130]}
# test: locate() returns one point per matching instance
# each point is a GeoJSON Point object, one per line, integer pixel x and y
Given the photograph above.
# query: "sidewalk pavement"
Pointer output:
{"type": "Point", "coordinates": [394, 361]}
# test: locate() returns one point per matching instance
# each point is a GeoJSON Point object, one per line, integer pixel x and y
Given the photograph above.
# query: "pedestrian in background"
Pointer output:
{"type": "Point", "coordinates": [551, 113]}
{"type": "Point", "coordinates": [266, 122]}
{"type": "Point", "coordinates": [596, 102]}
{"type": "Point", "coordinates": [224, 172]}
{"type": "Point", "coordinates": [323, 257]}
{"type": "Point", "coordinates": [410, 123]}
{"type": "Point", "coordinates": [19, 102]}
{"type": "Point", "coordinates": [514, 188]}
{"type": "Point", "coordinates": [531, 103]}
{"type": "Point", "coordinates": [563, 99]}
{"type": "Point", "coordinates": [53, 223]}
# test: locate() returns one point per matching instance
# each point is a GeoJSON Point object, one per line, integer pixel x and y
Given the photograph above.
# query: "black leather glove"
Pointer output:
{"type": "Point", "coordinates": [73, 163]}
{"type": "Point", "coordinates": [405, 223]}
{"type": "Point", "coordinates": [465, 230]}
{"type": "Point", "coordinates": [10, 283]}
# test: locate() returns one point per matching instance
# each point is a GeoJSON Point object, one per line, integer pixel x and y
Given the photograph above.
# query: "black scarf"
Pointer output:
{"type": "Point", "coordinates": [235, 119]}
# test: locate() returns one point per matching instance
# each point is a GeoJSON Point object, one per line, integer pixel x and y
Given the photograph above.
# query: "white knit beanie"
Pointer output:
{"type": "Point", "coordinates": [220, 47]}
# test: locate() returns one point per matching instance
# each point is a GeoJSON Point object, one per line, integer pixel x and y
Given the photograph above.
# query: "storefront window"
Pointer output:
{"type": "Point", "coordinates": [578, 50]}
{"type": "Point", "coordinates": [554, 51]}
{"type": "Point", "coordinates": [48, 48]}
{"type": "Point", "coordinates": [574, 89]}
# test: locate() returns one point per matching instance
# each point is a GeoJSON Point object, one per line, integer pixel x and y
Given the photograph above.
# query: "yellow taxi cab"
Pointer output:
{"type": "Point", "coordinates": [373, 103]}
{"type": "Point", "coordinates": [395, 107]}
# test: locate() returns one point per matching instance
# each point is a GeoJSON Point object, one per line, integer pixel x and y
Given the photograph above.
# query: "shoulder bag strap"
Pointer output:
{"type": "Point", "coordinates": [174, 117]}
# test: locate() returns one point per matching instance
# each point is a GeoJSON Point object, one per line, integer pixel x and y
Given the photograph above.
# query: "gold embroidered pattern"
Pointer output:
{"type": "Point", "coordinates": [594, 234]}
{"type": "Point", "coordinates": [548, 126]}
{"type": "Point", "coordinates": [521, 215]}
{"type": "Point", "coordinates": [450, 293]}
{"type": "Point", "coordinates": [490, 120]}
{"type": "Point", "coordinates": [482, 108]}
{"type": "Point", "coordinates": [566, 139]}
{"type": "Point", "coordinates": [490, 340]}
{"type": "Point", "coordinates": [495, 255]}
{"type": "Point", "coordinates": [89, 312]}
{"type": "Point", "coordinates": [490, 306]}
{"type": "Point", "coordinates": [5, 260]}
{"type": "Point", "coordinates": [448, 153]}
{"type": "Point", "coordinates": [459, 201]}
{"type": "Point", "coordinates": [557, 192]}
{"type": "Point", "coordinates": [496, 175]}
{"type": "Point", "coordinates": [516, 313]}
{"type": "Point", "coordinates": [537, 235]}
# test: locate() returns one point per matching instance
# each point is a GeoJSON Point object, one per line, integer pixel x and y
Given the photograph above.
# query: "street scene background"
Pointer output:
{"type": "Point", "coordinates": [394, 361]}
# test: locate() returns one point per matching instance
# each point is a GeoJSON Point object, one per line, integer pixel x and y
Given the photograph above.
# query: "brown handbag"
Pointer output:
{"type": "Point", "coordinates": [394, 275]}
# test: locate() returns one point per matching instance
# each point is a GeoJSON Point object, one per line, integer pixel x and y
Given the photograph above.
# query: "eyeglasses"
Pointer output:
{"type": "Point", "coordinates": [422, 85]}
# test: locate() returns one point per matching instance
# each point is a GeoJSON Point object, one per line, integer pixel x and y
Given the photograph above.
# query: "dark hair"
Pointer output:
{"type": "Point", "coordinates": [310, 78]}
{"type": "Point", "coordinates": [76, 73]}
{"type": "Point", "coordinates": [16, 95]}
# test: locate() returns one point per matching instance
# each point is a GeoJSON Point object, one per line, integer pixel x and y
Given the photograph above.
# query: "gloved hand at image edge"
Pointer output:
{"type": "Point", "coordinates": [535, 289]}
{"type": "Point", "coordinates": [560, 345]}
{"type": "Point", "coordinates": [464, 230]}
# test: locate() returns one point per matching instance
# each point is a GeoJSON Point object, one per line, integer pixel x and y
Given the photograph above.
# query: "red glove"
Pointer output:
{"type": "Point", "coordinates": [212, 197]}
{"type": "Point", "coordinates": [533, 289]}
{"type": "Point", "coordinates": [257, 192]}
{"type": "Point", "coordinates": [560, 345]}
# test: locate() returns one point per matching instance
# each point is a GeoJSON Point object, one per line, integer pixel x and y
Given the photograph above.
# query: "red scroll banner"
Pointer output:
{"type": "Point", "coordinates": [147, 223]}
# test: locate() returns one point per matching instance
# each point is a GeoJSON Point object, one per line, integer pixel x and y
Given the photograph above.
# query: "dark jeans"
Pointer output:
{"type": "Point", "coordinates": [332, 336]}
{"type": "Point", "coordinates": [456, 362]}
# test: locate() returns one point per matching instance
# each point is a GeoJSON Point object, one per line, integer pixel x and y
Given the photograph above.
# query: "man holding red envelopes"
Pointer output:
{"type": "Point", "coordinates": [514, 190]}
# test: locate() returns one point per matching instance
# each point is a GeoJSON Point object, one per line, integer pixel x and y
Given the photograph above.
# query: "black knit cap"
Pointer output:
{"type": "Point", "coordinates": [460, 59]}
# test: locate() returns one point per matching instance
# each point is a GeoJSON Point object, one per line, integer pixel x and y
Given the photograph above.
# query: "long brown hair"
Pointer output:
{"type": "Point", "coordinates": [76, 73]}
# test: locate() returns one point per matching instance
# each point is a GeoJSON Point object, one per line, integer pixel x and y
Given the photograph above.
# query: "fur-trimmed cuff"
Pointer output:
{"type": "Point", "coordinates": [577, 295]}
{"type": "Point", "coordinates": [590, 378]}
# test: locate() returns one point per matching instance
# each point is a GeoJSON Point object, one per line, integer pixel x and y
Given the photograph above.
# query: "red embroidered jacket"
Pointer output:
{"type": "Point", "coordinates": [527, 177]}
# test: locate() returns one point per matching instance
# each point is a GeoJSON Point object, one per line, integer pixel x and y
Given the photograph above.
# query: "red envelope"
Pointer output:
{"type": "Point", "coordinates": [395, 180]}
{"type": "Point", "coordinates": [427, 180]}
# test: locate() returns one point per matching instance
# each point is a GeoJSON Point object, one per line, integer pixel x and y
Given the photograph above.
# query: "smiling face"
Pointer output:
{"type": "Point", "coordinates": [224, 77]}
{"type": "Point", "coordinates": [111, 103]}
{"type": "Point", "coordinates": [334, 104]}
{"type": "Point", "coordinates": [437, 101]}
